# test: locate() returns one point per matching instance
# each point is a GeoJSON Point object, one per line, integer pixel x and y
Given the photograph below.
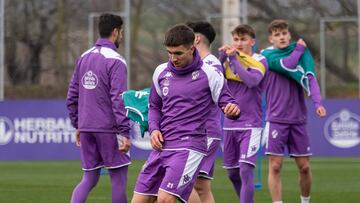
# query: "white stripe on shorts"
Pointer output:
{"type": "Point", "coordinates": [192, 164]}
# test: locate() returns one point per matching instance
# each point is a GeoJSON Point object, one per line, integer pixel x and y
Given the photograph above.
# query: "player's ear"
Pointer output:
{"type": "Point", "coordinates": [270, 39]}
{"type": "Point", "coordinates": [197, 39]}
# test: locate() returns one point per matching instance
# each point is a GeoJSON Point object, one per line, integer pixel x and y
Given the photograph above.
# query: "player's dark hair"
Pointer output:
{"type": "Point", "coordinates": [179, 35]}
{"type": "Point", "coordinates": [107, 23]}
{"type": "Point", "coordinates": [244, 29]}
{"type": "Point", "coordinates": [278, 24]}
{"type": "Point", "coordinates": [203, 28]}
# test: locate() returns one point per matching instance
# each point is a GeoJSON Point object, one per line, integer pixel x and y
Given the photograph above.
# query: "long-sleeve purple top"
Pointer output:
{"type": "Point", "coordinates": [285, 102]}
{"type": "Point", "coordinates": [94, 95]}
{"type": "Point", "coordinates": [291, 62]}
{"type": "Point", "coordinates": [213, 125]}
{"type": "Point", "coordinates": [181, 101]}
{"type": "Point", "coordinates": [247, 93]}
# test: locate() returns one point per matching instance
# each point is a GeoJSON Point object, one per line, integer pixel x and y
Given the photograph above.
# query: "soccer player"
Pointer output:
{"type": "Point", "coordinates": [181, 97]}
{"type": "Point", "coordinates": [204, 36]}
{"type": "Point", "coordinates": [286, 110]}
{"type": "Point", "coordinates": [242, 136]}
{"type": "Point", "coordinates": [97, 112]}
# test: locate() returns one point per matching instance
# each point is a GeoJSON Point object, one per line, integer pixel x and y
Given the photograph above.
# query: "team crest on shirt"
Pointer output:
{"type": "Point", "coordinates": [274, 133]}
{"type": "Point", "coordinates": [195, 75]}
{"type": "Point", "coordinates": [89, 80]}
{"type": "Point", "coordinates": [166, 82]}
{"type": "Point", "coordinates": [165, 91]}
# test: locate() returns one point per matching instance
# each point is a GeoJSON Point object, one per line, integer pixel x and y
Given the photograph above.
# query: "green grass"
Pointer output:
{"type": "Point", "coordinates": [334, 180]}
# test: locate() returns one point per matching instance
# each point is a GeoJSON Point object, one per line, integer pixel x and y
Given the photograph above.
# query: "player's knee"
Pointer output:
{"type": "Point", "coordinates": [304, 169]}
{"type": "Point", "coordinates": [201, 189]}
{"type": "Point", "coordinates": [166, 198]}
{"type": "Point", "coordinates": [275, 168]}
{"type": "Point", "coordinates": [234, 174]}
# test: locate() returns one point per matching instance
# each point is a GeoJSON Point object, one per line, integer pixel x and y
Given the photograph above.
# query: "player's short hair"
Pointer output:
{"type": "Point", "coordinates": [179, 34]}
{"type": "Point", "coordinates": [107, 23]}
{"type": "Point", "coordinates": [203, 28]}
{"type": "Point", "coordinates": [278, 24]}
{"type": "Point", "coordinates": [244, 29]}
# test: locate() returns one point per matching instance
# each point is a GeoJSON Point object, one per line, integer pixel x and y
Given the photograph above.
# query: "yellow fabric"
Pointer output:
{"type": "Point", "coordinates": [245, 60]}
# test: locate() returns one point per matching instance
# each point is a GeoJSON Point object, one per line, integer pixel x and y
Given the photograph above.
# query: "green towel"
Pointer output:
{"type": "Point", "coordinates": [136, 103]}
{"type": "Point", "coordinates": [305, 65]}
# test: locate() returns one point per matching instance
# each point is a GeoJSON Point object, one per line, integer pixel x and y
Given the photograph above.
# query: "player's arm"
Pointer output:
{"type": "Point", "coordinates": [222, 53]}
{"type": "Point", "coordinates": [292, 60]}
{"type": "Point", "coordinates": [251, 77]}
{"type": "Point", "coordinates": [155, 114]}
{"type": "Point", "coordinates": [316, 96]}
{"type": "Point", "coordinates": [118, 85]}
{"type": "Point", "coordinates": [221, 94]}
{"type": "Point", "coordinates": [72, 98]}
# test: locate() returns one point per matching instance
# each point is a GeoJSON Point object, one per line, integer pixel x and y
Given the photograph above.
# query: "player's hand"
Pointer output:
{"type": "Point", "coordinates": [301, 42]}
{"type": "Point", "coordinates": [124, 143]}
{"type": "Point", "coordinates": [321, 111]}
{"type": "Point", "coordinates": [77, 136]}
{"type": "Point", "coordinates": [156, 139]}
{"type": "Point", "coordinates": [231, 51]}
{"type": "Point", "coordinates": [224, 48]}
{"type": "Point", "coordinates": [231, 110]}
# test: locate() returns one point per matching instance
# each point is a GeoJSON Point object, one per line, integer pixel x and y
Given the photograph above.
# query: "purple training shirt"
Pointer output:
{"type": "Point", "coordinates": [181, 101]}
{"type": "Point", "coordinates": [93, 101]}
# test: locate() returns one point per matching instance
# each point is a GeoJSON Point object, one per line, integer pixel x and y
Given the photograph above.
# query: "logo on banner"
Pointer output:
{"type": "Point", "coordinates": [343, 129]}
{"type": "Point", "coordinates": [6, 130]}
{"type": "Point", "coordinates": [36, 130]}
{"type": "Point", "coordinates": [89, 80]}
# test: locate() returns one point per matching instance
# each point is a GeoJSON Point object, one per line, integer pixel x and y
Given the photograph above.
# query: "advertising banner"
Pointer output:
{"type": "Point", "coordinates": [41, 130]}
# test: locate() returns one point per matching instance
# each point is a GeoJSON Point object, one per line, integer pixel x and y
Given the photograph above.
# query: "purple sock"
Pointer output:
{"type": "Point", "coordinates": [234, 176]}
{"type": "Point", "coordinates": [247, 180]}
{"type": "Point", "coordinates": [118, 184]}
{"type": "Point", "coordinates": [88, 182]}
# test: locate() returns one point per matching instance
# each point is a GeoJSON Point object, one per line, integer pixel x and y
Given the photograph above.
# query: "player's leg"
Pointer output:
{"type": "Point", "coordinates": [140, 198]}
{"type": "Point", "coordinates": [117, 164]}
{"type": "Point", "coordinates": [182, 168]}
{"type": "Point", "coordinates": [299, 148]}
{"type": "Point", "coordinates": [231, 158]}
{"type": "Point", "coordinates": [149, 179]}
{"type": "Point", "coordinates": [277, 137]}
{"type": "Point", "coordinates": [165, 197]}
{"type": "Point", "coordinates": [118, 178]}
{"type": "Point", "coordinates": [305, 176]}
{"type": "Point", "coordinates": [194, 196]}
{"type": "Point", "coordinates": [249, 146]}
{"type": "Point", "coordinates": [87, 183]}
{"type": "Point", "coordinates": [203, 188]}
{"type": "Point", "coordinates": [91, 163]}
{"type": "Point", "coordinates": [203, 181]}
{"type": "Point", "coordinates": [274, 177]}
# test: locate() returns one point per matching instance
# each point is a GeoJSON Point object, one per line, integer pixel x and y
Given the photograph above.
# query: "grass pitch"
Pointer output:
{"type": "Point", "coordinates": [335, 180]}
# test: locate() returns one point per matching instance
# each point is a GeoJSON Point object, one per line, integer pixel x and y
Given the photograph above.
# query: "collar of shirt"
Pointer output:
{"type": "Point", "coordinates": [105, 43]}
{"type": "Point", "coordinates": [194, 65]}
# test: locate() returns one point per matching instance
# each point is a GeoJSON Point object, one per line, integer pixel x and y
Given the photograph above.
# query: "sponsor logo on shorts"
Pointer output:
{"type": "Point", "coordinates": [187, 178]}
{"type": "Point", "coordinates": [342, 129]}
